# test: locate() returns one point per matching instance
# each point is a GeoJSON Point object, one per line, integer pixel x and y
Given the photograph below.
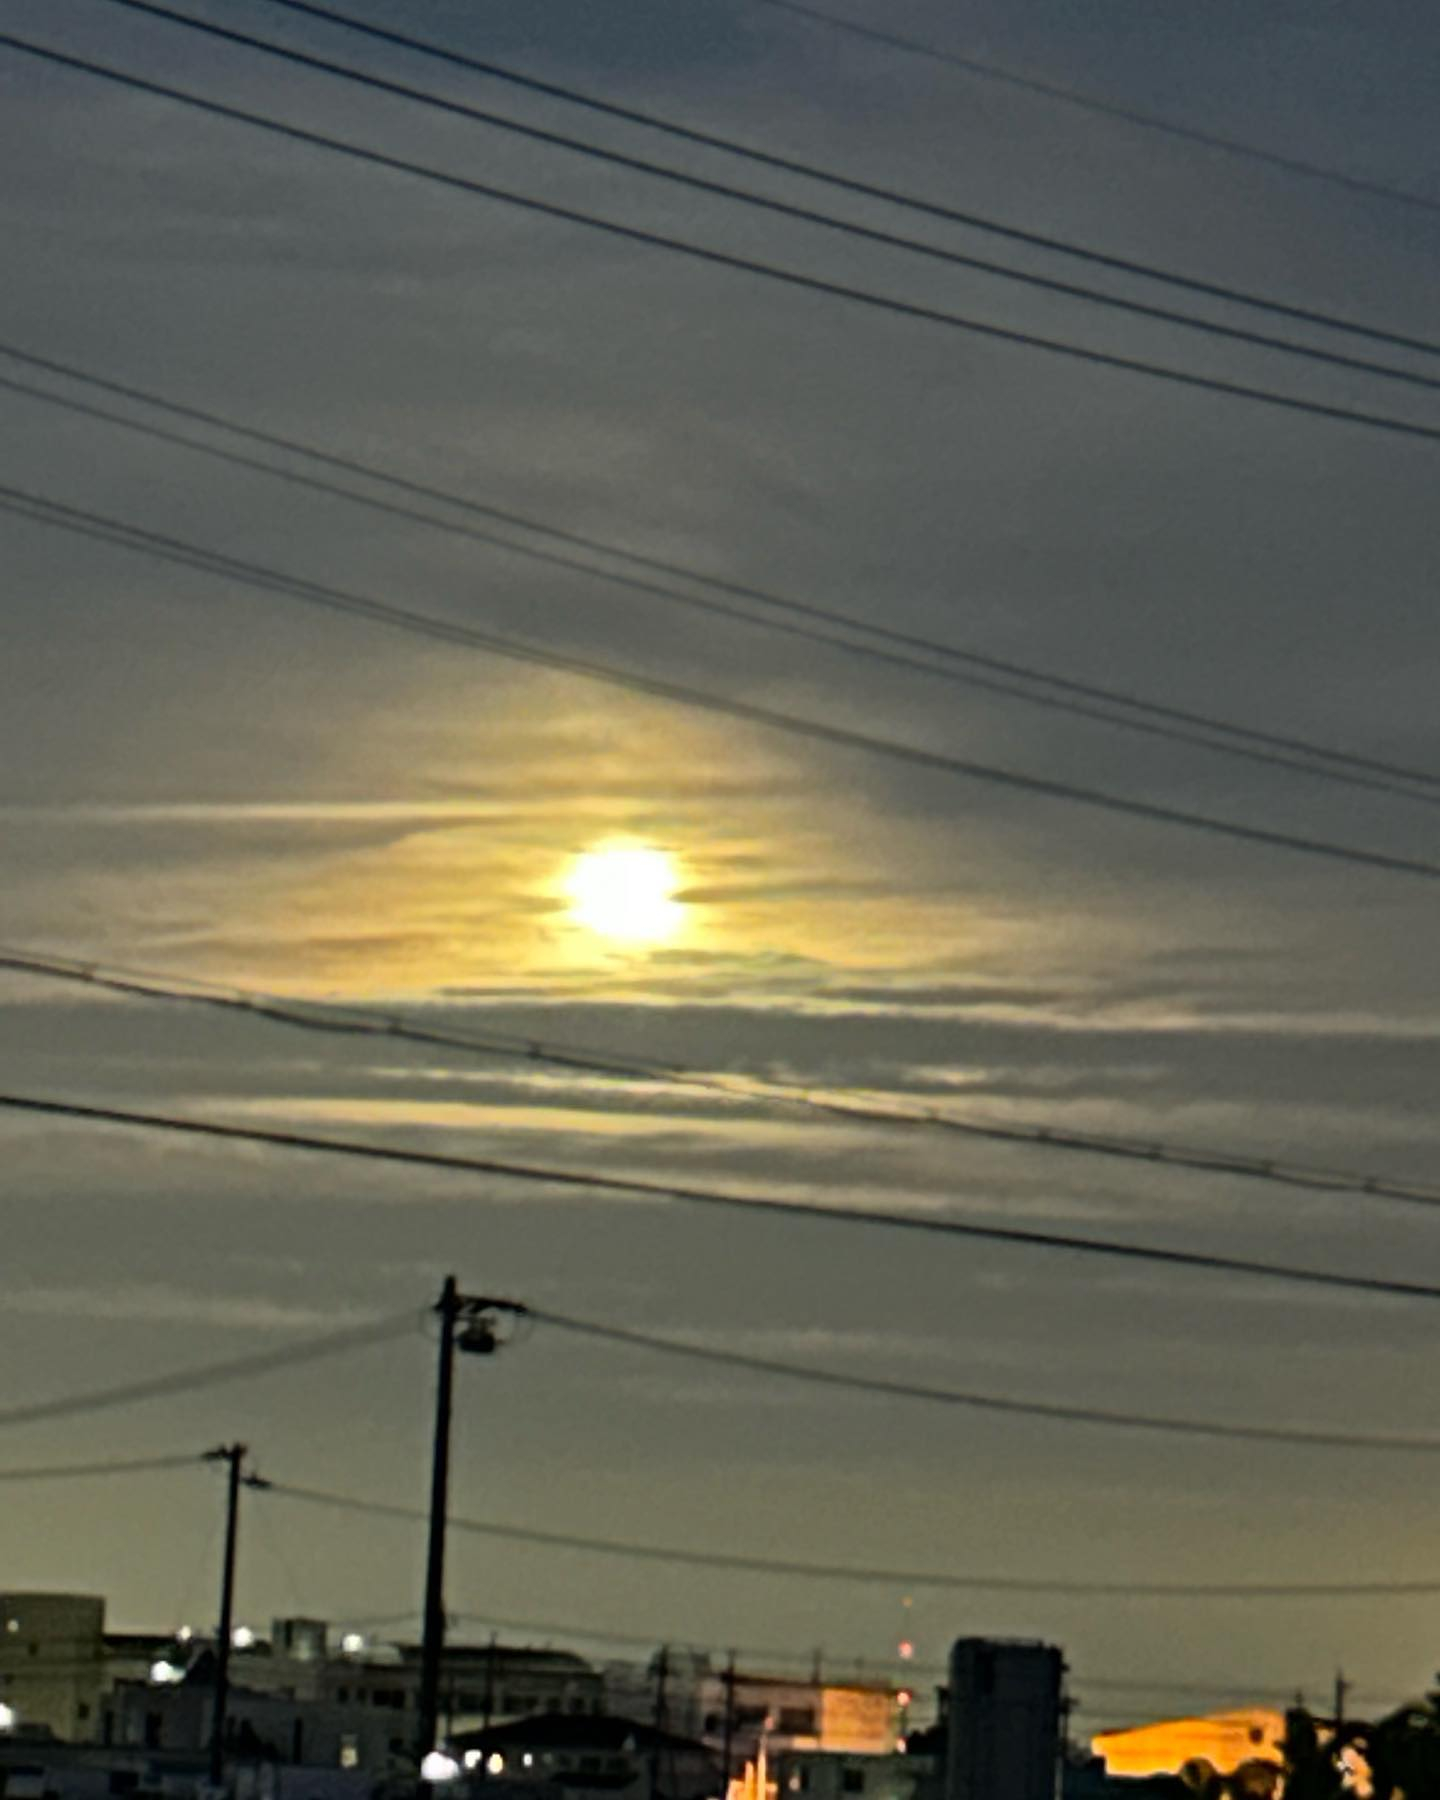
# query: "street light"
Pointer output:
{"type": "Point", "coordinates": [469, 1323]}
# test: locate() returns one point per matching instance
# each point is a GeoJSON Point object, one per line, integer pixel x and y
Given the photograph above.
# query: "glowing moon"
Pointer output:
{"type": "Point", "coordinates": [625, 892]}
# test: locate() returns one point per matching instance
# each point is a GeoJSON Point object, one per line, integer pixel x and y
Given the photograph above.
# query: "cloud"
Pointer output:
{"type": "Point", "coordinates": [204, 779]}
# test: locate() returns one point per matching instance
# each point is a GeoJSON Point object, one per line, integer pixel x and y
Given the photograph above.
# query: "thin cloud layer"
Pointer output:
{"type": "Point", "coordinates": [206, 780]}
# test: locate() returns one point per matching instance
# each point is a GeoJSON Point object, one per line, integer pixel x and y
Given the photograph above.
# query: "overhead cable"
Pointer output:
{"type": "Point", "coordinates": [838, 1666]}
{"type": "Point", "coordinates": [980, 1582]}
{"type": "Point", "coordinates": [1428, 795]}
{"type": "Point", "coordinates": [351, 1021]}
{"type": "Point", "coordinates": [1294, 1437]}
{"type": "Point", "coordinates": [143, 1465]}
{"type": "Point", "coordinates": [755, 1205]}
{"type": "Point", "coordinates": [715, 258]}
{"type": "Point", "coordinates": [992, 674]}
{"type": "Point", "coordinates": [83, 522]}
{"type": "Point", "coordinates": [785, 209]}
{"type": "Point", "coordinates": [1051, 90]}
{"type": "Point", "coordinates": [195, 1377]}
{"type": "Point", "coordinates": [868, 190]}
{"type": "Point", "coordinates": [944, 670]}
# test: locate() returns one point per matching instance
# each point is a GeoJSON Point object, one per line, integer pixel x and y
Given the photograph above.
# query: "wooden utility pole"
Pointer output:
{"type": "Point", "coordinates": [233, 1455]}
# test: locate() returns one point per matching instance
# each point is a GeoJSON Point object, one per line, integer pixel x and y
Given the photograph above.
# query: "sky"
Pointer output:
{"type": "Point", "coordinates": [210, 781]}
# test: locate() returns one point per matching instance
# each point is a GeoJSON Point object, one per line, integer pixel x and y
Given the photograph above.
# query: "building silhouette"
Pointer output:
{"type": "Point", "coordinates": [1004, 1720]}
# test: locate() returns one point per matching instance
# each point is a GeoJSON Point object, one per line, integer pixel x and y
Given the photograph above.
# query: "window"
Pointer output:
{"type": "Point", "coordinates": [798, 1721]}
{"type": "Point", "coordinates": [852, 1781]}
{"type": "Point", "coordinates": [589, 1765]}
{"type": "Point", "coordinates": [349, 1751]}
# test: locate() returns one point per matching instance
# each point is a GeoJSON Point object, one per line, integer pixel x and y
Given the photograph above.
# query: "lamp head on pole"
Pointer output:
{"type": "Point", "coordinates": [477, 1337]}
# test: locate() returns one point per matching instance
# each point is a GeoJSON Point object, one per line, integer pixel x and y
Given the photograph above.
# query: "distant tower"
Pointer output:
{"type": "Point", "coordinates": [1004, 1732]}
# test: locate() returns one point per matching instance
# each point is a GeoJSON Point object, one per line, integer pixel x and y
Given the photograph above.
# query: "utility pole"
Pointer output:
{"type": "Point", "coordinates": [489, 1712]}
{"type": "Point", "coordinates": [233, 1455]}
{"type": "Point", "coordinates": [662, 1672]}
{"type": "Point", "coordinates": [727, 1741]}
{"type": "Point", "coordinates": [1342, 1688]}
{"type": "Point", "coordinates": [434, 1603]}
{"type": "Point", "coordinates": [467, 1323]}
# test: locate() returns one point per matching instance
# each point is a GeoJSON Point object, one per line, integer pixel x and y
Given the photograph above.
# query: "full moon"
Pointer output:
{"type": "Point", "coordinates": [625, 892]}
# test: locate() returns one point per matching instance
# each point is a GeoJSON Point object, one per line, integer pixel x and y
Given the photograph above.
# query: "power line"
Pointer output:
{"type": "Point", "coordinates": [988, 71]}
{"type": "Point", "coordinates": [902, 1578]}
{"type": "Point", "coordinates": [838, 1665]}
{"type": "Point", "coordinates": [84, 523]}
{"type": "Point", "coordinates": [1016, 1236]}
{"type": "Point", "coordinates": [676, 1640]}
{"type": "Point", "coordinates": [714, 258]}
{"type": "Point", "coordinates": [870, 652]}
{"type": "Point", "coordinates": [841, 1668]}
{"type": "Point", "coordinates": [778, 208]}
{"type": "Point", "coordinates": [789, 165]}
{"type": "Point", "coordinates": [1055, 702]}
{"type": "Point", "coordinates": [350, 1021]}
{"type": "Point", "coordinates": [1295, 1437]}
{"type": "Point", "coordinates": [198, 1376]}
{"type": "Point", "coordinates": [980, 670]}
{"type": "Point", "coordinates": [144, 1465]}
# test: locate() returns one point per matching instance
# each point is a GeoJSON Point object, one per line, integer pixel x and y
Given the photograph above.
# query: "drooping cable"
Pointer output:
{"type": "Point", "coordinates": [352, 1021]}
{"type": "Point", "coordinates": [1018, 680]}
{"type": "Point", "coordinates": [1295, 1437]}
{"type": "Point", "coordinates": [868, 190]}
{"type": "Point", "coordinates": [84, 522]}
{"type": "Point", "coordinates": [808, 215]}
{"type": "Point", "coordinates": [715, 258]}
{"type": "Point", "coordinates": [1051, 90]}
{"type": "Point", "coordinates": [939, 662]}
{"type": "Point", "coordinates": [986, 1581]}
{"type": "Point", "coordinates": [141, 1465]}
{"type": "Point", "coordinates": [756, 1205]}
{"type": "Point", "coordinates": [196, 1377]}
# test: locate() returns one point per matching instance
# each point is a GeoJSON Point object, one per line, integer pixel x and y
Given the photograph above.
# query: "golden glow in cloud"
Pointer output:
{"type": "Point", "coordinates": [626, 892]}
